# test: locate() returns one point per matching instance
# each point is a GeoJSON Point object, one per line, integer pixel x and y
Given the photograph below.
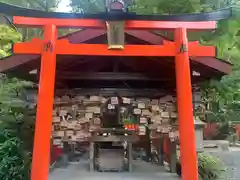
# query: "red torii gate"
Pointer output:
{"type": "Point", "coordinates": [181, 49]}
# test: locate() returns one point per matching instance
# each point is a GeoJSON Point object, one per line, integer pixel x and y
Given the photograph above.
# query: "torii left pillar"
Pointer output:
{"type": "Point", "coordinates": [43, 130]}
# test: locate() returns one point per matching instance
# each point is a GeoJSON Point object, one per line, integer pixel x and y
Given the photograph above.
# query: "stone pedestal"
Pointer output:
{"type": "Point", "coordinates": [199, 126]}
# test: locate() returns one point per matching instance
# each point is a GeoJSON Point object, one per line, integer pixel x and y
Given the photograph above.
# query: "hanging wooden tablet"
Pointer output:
{"type": "Point", "coordinates": [71, 125]}
{"type": "Point", "coordinates": [78, 126]}
{"type": "Point", "coordinates": [165, 114]}
{"type": "Point", "coordinates": [143, 120]}
{"type": "Point", "coordinates": [110, 106]}
{"type": "Point", "coordinates": [89, 115]}
{"type": "Point", "coordinates": [96, 110]}
{"type": "Point", "coordinates": [166, 121]}
{"type": "Point", "coordinates": [126, 101]}
{"type": "Point", "coordinates": [141, 105]}
{"type": "Point", "coordinates": [59, 133]}
{"type": "Point", "coordinates": [57, 141]}
{"type": "Point", "coordinates": [69, 133]}
{"type": "Point", "coordinates": [103, 100]}
{"type": "Point", "coordinates": [94, 98]}
{"type": "Point", "coordinates": [89, 109]}
{"type": "Point", "coordinates": [171, 134]}
{"type": "Point", "coordinates": [63, 112]}
{"type": "Point", "coordinates": [114, 100]}
{"type": "Point", "coordinates": [173, 115]}
{"type": "Point", "coordinates": [57, 99]}
{"type": "Point", "coordinates": [65, 98]}
{"type": "Point", "coordinates": [74, 138]}
{"type": "Point", "coordinates": [146, 112]}
{"type": "Point", "coordinates": [79, 98]}
{"type": "Point", "coordinates": [159, 129]}
{"type": "Point", "coordinates": [82, 120]}
{"type": "Point", "coordinates": [97, 121]}
{"type": "Point", "coordinates": [155, 108]}
{"type": "Point", "coordinates": [115, 34]}
{"type": "Point", "coordinates": [54, 112]}
{"type": "Point", "coordinates": [154, 102]}
{"type": "Point", "coordinates": [156, 118]}
{"type": "Point", "coordinates": [56, 119]}
{"type": "Point", "coordinates": [137, 111]}
{"type": "Point", "coordinates": [142, 130]}
{"type": "Point", "coordinates": [63, 124]}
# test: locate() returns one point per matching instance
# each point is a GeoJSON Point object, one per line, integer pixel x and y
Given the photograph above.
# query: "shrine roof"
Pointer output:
{"type": "Point", "coordinates": [11, 10]}
{"type": "Point", "coordinates": [74, 67]}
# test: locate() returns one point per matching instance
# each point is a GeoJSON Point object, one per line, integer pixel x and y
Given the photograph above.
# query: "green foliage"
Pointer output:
{"type": "Point", "coordinates": [166, 7]}
{"type": "Point", "coordinates": [88, 6]}
{"type": "Point", "coordinates": [13, 163]}
{"type": "Point", "coordinates": [226, 93]}
{"type": "Point", "coordinates": [7, 37]}
{"type": "Point", "coordinates": [44, 5]}
{"type": "Point", "coordinates": [142, 6]}
{"type": "Point", "coordinates": [209, 167]}
{"type": "Point", "coordinates": [223, 97]}
{"type": "Point", "coordinates": [17, 119]}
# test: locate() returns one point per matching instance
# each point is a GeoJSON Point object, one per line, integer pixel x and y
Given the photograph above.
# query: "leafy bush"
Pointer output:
{"type": "Point", "coordinates": [209, 167]}
{"type": "Point", "coordinates": [16, 129]}
{"type": "Point", "coordinates": [14, 163]}
{"type": "Point", "coordinates": [8, 36]}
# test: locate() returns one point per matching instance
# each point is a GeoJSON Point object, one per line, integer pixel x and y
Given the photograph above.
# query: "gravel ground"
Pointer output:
{"type": "Point", "coordinates": [141, 171]}
{"type": "Point", "coordinates": [232, 162]}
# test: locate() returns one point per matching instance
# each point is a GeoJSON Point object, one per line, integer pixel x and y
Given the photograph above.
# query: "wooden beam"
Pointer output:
{"type": "Point", "coordinates": [36, 46]}
{"type": "Point", "coordinates": [86, 34]}
{"type": "Point", "coordinates": [222, 66]}
{"type": "Point", "coordinates": [15, 61]}
{"type": "Point", "coordinates": [211, 62]}
{"type": "Point", "coordinates": [130, 24]}
{"type": "Point", "coordinates": [153, 93]}
{"type": "Point", "coordinates": [77, 37]}
{"type": "Point", "coordinates": [146, 36]}
{"type": "Point", "coordinates": [109, 76]}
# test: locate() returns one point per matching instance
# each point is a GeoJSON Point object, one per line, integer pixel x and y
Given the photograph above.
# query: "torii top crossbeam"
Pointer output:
{"type": "Point", "coordinates": [64, 47]}
{"type": "Point", "coordinates": [181, 49]}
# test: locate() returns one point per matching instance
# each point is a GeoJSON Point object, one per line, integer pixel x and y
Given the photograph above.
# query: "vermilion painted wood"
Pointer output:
{"type": "Point", "coordinates": [129, 50]}
{"type": "Point", "coordinates": [40, 163]}
{"type": "Point", "coordinates": [167, 49]}
{"type": "Point", "coordinates": [196, 50]}
{"type": "Point", "coordinates": [41, 150]}
{"type": "Point", "coordinates": [185, 109]}
{"type": "Point", "coordinates": [130, 24]}
{"type": "Point", "coordinates": [170, 25]}
{"type": "Point", "coordinates": [36, 46]}
{"type": "Point", "coordinates": [64, 47]}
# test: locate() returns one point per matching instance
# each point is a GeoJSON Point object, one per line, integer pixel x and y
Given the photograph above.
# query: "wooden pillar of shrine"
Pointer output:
{"type": "Point", "coordinates": [41, 150]}
{"type": "Point", "coordinates": [185, 108]}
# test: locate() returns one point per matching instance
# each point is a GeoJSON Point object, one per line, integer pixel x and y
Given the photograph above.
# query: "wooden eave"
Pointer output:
{"type": "Point", "coordinates": [20, 65]}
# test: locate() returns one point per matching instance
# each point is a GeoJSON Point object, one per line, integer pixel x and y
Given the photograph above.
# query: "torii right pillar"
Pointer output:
{"type": "Point", "coordinates": [188, 154]}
